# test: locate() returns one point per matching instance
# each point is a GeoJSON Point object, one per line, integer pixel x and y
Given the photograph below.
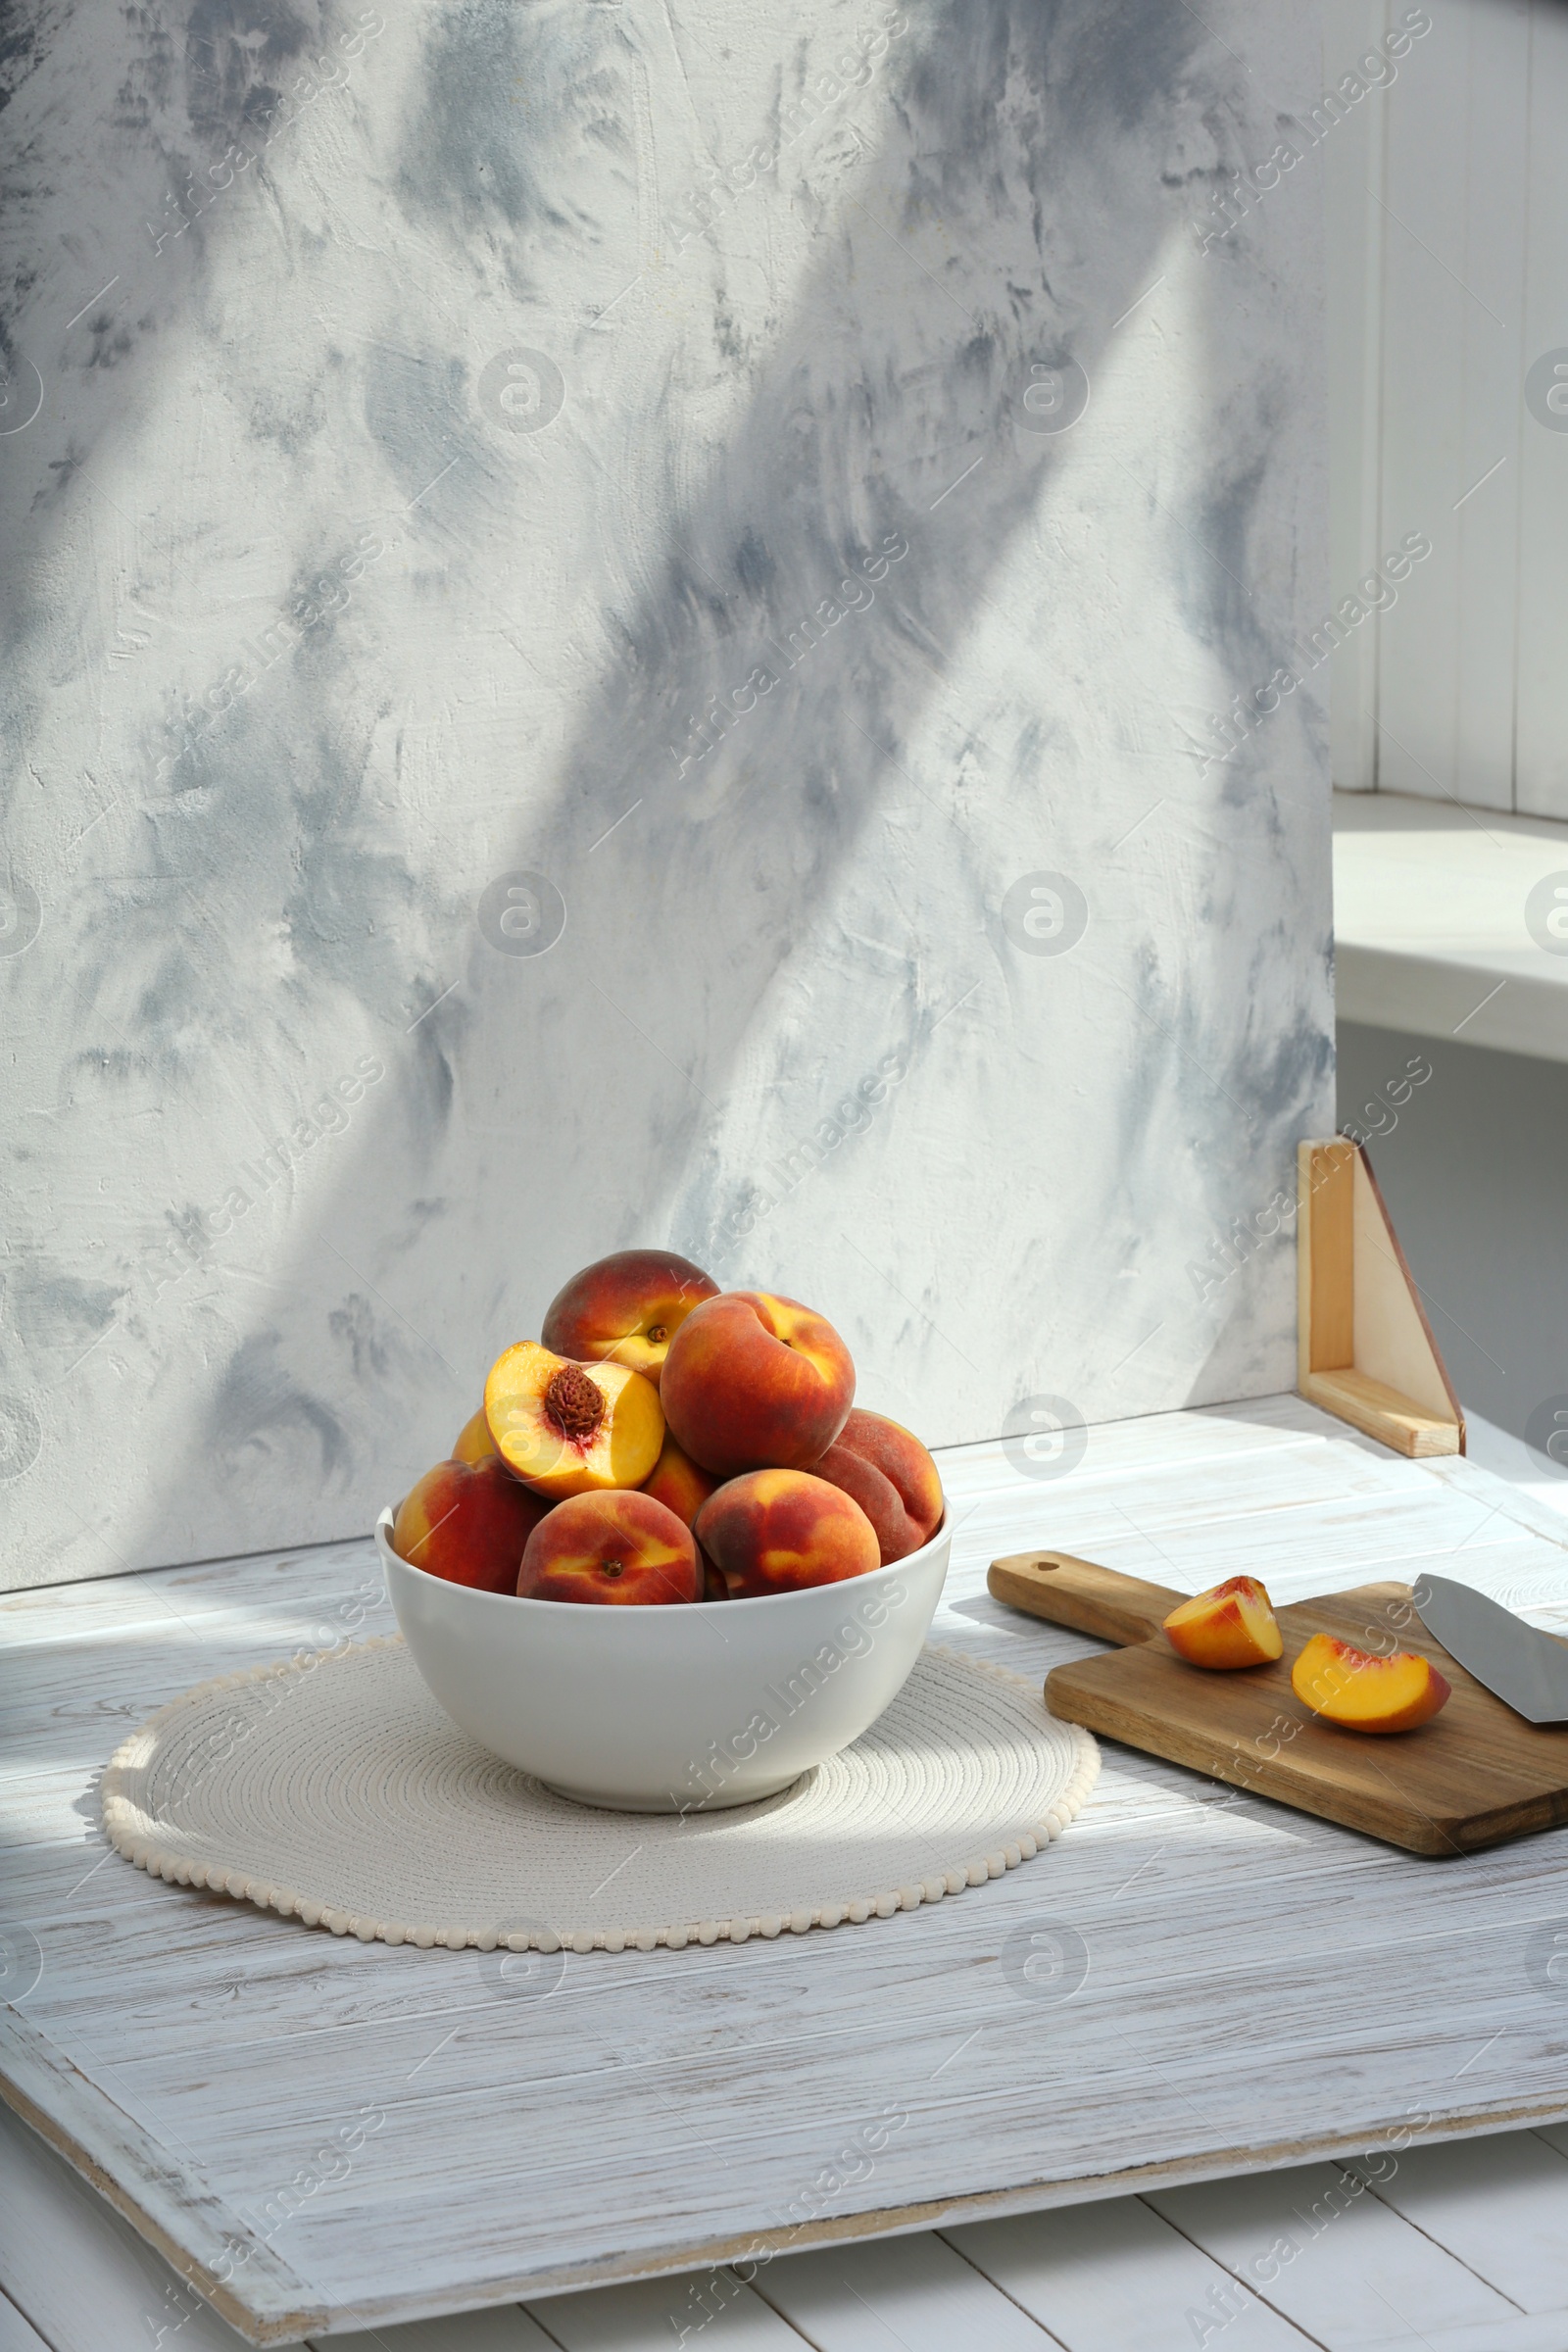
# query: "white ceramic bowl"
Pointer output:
{"type": "Point", "coordinates": [665, 1711]}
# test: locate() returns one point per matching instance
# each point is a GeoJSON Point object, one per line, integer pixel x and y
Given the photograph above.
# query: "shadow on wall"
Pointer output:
{"type": "Point", "coordinates": [1028, 140]}
{"type": "Point", "coordinates": [782, 591]}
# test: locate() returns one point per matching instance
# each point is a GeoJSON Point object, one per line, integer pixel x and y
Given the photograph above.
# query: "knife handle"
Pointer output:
{"type": "Point", "coordinates": [1123, 1609]}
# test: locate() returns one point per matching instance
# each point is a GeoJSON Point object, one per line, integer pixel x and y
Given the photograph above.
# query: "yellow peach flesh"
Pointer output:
{"type": "Point", "coordinates": [1360, 1693]}
{"type": "Point", "coordinates": [571, 1429]}
{"type": "Point", "coordinates": [1231, 1626]}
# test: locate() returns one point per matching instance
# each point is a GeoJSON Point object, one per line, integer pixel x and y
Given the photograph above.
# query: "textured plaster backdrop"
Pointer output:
{"type": "Point", "coordinates": [613, 443]}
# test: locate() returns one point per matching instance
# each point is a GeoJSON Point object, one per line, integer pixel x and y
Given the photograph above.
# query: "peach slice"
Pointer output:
{"type": "Point", "coordinates": [755, 1382]}
{"type": "Point", "coordinates": [613, 1549]}
{"type": "Point", "coordinates": [467, 1523]}
{"type": "Point", "coordinates": [1361, 1692]}
{"type": "Point", "coordinates": [565, 1430]}
{"type": "Point", "coordinates": [1231, 1625]}
{"type": "Point", "coordinates": [626, 1309]}
{"type": "Point", "coordinates": [474, 1442]}
{"type": "Point", "coordinates": [777, 1531]}
{"type": "Point", "coordinates": [891, 1476]}
{"type": "Point", "coordinates": [679, 1483]}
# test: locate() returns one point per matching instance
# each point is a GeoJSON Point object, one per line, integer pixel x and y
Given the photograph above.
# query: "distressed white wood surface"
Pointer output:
{"type": "Point", "coordinates": [1125, 2276]}
{"type": "Point", "coordinates": [657, 2110]}
{"type": "Point", "coordinates": [83, 2279]}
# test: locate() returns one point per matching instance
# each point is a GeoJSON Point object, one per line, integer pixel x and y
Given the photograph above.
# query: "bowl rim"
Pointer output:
{"type": "Point", "coordinates": [512, 1602]}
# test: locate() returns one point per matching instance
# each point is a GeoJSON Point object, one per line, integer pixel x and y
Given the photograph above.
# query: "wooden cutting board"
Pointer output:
{"type": "Point", "coordinates": [1473, 1775]}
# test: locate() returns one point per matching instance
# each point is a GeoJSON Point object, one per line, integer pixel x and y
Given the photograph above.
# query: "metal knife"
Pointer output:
{"type": "Point", "coordinates": [1527, 1669]}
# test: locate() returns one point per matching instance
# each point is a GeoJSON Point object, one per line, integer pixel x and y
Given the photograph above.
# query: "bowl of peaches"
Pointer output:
{"type": "Point", "coordinates": [670, 1566]}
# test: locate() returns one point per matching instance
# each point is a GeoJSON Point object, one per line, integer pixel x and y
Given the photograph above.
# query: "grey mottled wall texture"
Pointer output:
{"type": "Point", "coordinates": [619, 619]}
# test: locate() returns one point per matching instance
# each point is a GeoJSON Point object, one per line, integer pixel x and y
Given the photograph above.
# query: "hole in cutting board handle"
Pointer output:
{"type": "Point", "coordinates": [1081, 1595]}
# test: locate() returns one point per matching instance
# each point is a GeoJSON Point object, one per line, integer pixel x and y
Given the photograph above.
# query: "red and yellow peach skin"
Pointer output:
{"type": "Point", "coordinates": [679, 1483]}
{"type": "Point", "coordinates": [474, 1442]}
{"type": "Point", "coordinates": [778, 1531]}
{"type": "Point", "coordinates": [626, 1309]}
{"type": "Point", "coordinates": [891, 1476]}
{"type": "Point", "coordinates": [613, 1549]}
{"type": "Point", "coordinates": [467, 1523]}
{"type": "Point", "coordinates": [752, 1380]}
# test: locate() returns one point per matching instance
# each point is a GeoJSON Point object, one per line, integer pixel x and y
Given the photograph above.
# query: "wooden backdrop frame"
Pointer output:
{"type": "Point", "coordinates": [1365, 1351]}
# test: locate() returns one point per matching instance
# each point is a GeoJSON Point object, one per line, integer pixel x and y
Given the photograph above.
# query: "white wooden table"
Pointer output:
{"type": "Point", "coordinates": [1261, 1991]}
{"type": "Point", "coordinates": [1430, 925]}
{"type": "Point", "coordinates": [1465, 2249]}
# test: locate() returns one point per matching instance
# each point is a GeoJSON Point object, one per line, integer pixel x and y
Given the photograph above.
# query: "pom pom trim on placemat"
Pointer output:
{"type": "Point", "coordinates": [371, 1779]}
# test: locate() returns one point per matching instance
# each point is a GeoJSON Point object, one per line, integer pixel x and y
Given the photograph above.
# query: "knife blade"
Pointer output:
{"type": "Point", "coordinates": [1528, 1670]}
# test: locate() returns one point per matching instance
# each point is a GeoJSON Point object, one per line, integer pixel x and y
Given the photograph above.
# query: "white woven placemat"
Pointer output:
{"type": "Point", "coordinates": [337, 1790]}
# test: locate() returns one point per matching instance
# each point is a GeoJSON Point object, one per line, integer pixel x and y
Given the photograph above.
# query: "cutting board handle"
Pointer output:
{"type": "Point", "coordinates": [1092, 1601]}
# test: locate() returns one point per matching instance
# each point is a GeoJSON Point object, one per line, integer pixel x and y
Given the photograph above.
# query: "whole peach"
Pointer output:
{"type": "Point", "coordinates": [755, 1382]}
{"type": "Point", "coordinates": [891, 1476]}
{"type": "Point", "coordinates": [612, 1548]}
{"type": "Point", "coordinates": [777, 1531]}
{"type": "Point", "coordinates": [467, 1523]}
{"type": "Point", "coordinates": [626, 1309]}
{"type": "Point", "coordinates": [474, 1442]}
{"type": "Point", "coordinates": [676, 1482]}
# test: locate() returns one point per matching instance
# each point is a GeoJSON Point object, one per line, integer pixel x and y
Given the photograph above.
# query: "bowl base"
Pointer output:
{"type": "Point", "coordinates": [720, 1802]}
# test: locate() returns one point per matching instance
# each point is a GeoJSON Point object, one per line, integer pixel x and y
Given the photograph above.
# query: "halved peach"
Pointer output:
{"type": "Point", "coordinates": [679, 1483]}
{"type": "Point", "coordinates": [1362, 1693]}
{"type": "Point", "coordinates": [1231, 1625]}
{"type": "Point", "coordinates": [626, 1309]}
{"type": "Point", "coordinates": [615, 1549]}
{"type": "Point", "coordinates": [755, 1382]}
{"type": "Point", "coordinates": [566, 1430]}
{"type": "Point", "coordinates": [474, 1442]}
{"type": "Point", "coordinates": [467, 1523]}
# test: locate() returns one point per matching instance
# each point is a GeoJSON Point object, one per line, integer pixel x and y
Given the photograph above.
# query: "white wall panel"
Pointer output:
{"type": "Point", "coordinates": [1454, 272]}
{"type": "Point", "coordinates": [1448, 223]}
{"type": "Point", "coordinates": [1352, 173]}
{"type": "Point", "coordinates": [1542, 732]}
